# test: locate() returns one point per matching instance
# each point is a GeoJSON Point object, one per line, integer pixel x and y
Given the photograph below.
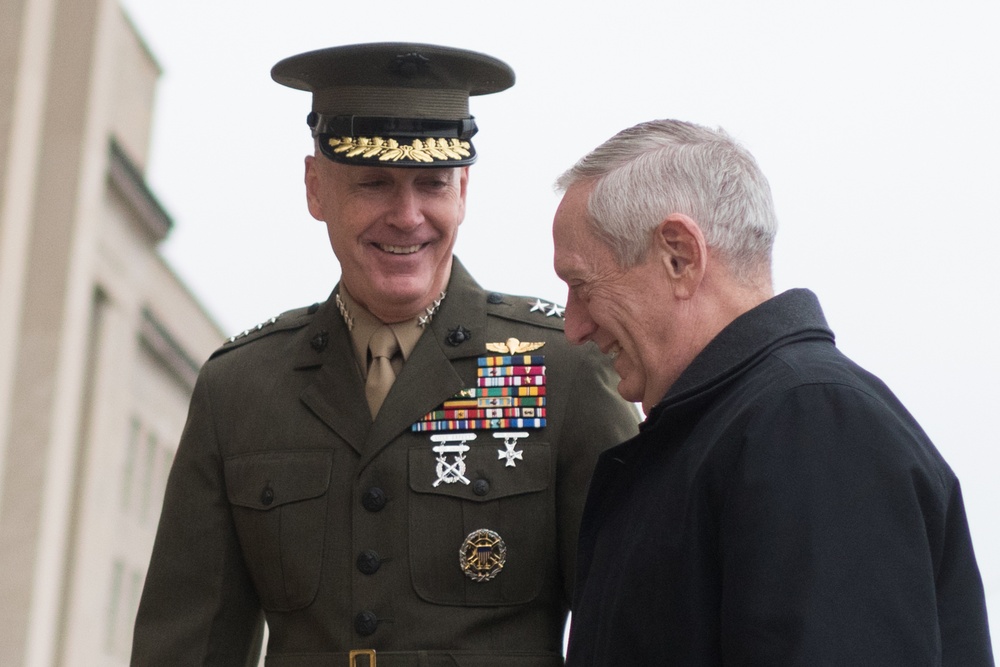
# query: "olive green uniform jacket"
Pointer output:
{"type": "Point", "coordinates": [286, 501]}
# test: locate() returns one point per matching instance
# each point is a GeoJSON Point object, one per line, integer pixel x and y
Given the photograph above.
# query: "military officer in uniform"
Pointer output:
{"type": "Point", "coordinates": [393, 477]}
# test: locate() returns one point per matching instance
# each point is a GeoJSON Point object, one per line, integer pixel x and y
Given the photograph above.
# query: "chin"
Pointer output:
{"type": "Point", "coordinates": [406, 293]}
{"type": "Point", "coordinates": [630, 394]}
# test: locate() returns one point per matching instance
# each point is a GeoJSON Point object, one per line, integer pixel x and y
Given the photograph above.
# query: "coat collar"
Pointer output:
{"type": "Point", "coordinates": [789, 317]}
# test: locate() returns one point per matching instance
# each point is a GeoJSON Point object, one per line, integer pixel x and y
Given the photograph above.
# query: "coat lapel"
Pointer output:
{"type": "Point", "coordinates": [337, 395]}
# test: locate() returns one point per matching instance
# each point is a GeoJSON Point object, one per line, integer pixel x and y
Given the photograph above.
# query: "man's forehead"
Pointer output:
{"type": "Point", "coordinates": [572, 217]}
{"type": "Point", "coordinates": [575, 246]}
{"type": "Point", "coordinates": [356, 173]}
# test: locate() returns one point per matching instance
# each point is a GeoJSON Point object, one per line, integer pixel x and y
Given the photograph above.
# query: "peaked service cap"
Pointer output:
{"type": "Point", "coordinates": [395, 104]}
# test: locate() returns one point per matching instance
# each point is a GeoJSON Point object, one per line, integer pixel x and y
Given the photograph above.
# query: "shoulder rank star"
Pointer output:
{"type": "Point", "coordinates": [550, 309]}
{"type": "Point", "coordinates": [244, 334]}
{"type": "Point", "coordinates": [513, 346]}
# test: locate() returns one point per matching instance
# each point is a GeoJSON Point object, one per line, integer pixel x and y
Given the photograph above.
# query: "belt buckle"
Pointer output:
{"type": "Point", "coordinates": [355, 654]}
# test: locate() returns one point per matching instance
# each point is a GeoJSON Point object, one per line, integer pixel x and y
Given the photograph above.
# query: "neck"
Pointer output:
{"type": "Point", "coordinates": [719, 300]}
{"type": "Point", "coordinates": [349, 307]}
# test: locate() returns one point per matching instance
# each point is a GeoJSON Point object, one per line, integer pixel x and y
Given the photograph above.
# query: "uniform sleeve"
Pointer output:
{"type": "Point", "coordinates": [843, 540]}
{"type": "Point", "coordinates": [198, 606]}
{"type": "Point", "coordinates": [597, 418]}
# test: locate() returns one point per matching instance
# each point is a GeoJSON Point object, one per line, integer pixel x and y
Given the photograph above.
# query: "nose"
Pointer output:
{"type": "Point", "coordinates": [407, 207]}
{"type": "Point", "coordinates": [579, 327]}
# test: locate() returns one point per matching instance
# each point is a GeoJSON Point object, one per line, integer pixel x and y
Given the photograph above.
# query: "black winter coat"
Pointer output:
{"type": "Point", "coordinates": [779, 507]}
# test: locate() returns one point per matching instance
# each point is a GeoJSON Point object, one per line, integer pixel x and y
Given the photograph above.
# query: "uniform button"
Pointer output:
{"type": "Point", "coordinates": [369, 561]}
{"type": "Point", "coordinates": [374, 499]}
{"type": "Point", "coordinates": [495, 297]}
{"type": "Point", "coordinates": [365, 623]}
{"type": "Point", "coordinates": [481, 487]}
{"type": "Point", "coordinates": [267, 496]}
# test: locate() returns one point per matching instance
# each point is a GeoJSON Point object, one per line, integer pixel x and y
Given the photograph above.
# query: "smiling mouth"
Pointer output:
{"type": "Point", "coordinates": [399, 249]}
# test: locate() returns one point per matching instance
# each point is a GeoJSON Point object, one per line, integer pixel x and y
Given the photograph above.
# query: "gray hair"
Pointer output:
{"type": "Point", "coordinates": [643, 174]}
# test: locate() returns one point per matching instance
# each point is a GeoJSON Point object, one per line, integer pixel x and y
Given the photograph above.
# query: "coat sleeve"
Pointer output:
{"type": "Point", "coordinates": [597, 418]}
{"type": "Point", "coordinates": [198, 605]}
{"type": "Point", "coordinates": [844, 541]}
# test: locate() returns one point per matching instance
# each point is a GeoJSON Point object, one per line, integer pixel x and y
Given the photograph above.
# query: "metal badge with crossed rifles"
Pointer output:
{"type": "Point", "coordinates": [453, 445]}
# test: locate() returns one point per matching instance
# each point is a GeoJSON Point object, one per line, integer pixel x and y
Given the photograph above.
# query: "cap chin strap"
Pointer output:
{"type": "Point", "coordinates": [385, 126]}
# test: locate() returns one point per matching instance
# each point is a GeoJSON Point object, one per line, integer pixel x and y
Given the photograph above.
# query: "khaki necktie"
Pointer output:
{"type": "Point", "coordinates": [382, 346]}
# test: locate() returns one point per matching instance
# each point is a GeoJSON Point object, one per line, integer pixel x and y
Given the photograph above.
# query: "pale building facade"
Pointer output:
{"type": "Point", "coordinates": [100, 342]}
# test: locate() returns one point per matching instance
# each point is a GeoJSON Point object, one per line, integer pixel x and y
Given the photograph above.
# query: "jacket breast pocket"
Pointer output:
{"type": "Point", "coordinates": [455, 494]}
{"type": "Point", "coordinates": [279, 505]}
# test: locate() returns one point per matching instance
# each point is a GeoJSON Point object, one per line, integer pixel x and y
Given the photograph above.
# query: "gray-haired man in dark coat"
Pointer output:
{"type": "Point", "coordinates": [779, 506]}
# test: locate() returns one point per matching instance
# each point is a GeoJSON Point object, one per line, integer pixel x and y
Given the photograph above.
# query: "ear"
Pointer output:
{"type": "Point", "coordinates": [313, 200]}
{"type": "Point", "coordinates": [463, 183]}
{"type": "Point", "coordinates": [684, 253]}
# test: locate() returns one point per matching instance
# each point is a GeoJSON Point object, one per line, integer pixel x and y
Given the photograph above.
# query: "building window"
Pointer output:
{"type": "Point", "coordinates": [114, 607]}
{"type": "Point", "coordinates": [131, 454]}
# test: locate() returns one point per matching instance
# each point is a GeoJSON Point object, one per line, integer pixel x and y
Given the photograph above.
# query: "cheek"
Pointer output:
{"type": "Point", "coordinates": [610, 311]}
{"type": "Point", "coordinates": [447, 217]}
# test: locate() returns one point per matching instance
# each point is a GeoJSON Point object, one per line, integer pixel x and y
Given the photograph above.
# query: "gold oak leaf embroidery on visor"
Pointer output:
{"type": "Point", "coordinates": [390, 150]}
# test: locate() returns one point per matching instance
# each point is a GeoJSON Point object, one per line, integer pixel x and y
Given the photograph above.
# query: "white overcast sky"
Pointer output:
{"type": "Point", "coordinates": [875, 121]}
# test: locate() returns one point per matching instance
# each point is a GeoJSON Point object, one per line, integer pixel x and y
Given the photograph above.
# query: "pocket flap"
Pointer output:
{"type": "Point", "coordinates": [272, 479]}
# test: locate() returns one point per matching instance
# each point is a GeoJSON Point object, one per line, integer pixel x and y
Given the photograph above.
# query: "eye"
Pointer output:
{"type": "Point", "coordinates": [435, 183]}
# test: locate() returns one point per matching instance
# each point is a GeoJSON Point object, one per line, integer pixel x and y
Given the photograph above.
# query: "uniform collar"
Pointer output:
{"type": "Point", "coordinates": [361, 324]}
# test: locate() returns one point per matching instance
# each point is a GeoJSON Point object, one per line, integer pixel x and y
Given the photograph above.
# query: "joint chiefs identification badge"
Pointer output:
{"type": "Point", "coordinates": [482, 555]}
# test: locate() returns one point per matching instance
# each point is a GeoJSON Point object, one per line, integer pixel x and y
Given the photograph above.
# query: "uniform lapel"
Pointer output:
{"type": "Point", "coordinates": [428, 377]}
{"type": "Point", "coordinates": [337, 395]}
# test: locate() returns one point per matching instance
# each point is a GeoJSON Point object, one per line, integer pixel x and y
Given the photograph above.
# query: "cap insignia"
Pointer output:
{"type": "Point", "coordinates": [390, 150]}
{"type": "Point", "coordinates": [409, 64]}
